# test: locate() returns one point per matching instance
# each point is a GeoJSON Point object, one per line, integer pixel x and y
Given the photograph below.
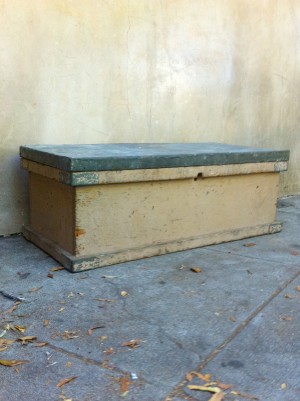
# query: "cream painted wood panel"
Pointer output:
{"type": "Point", "coordinates": [112, 218]}
{"type": "Point", "coordinates": [52, 211]}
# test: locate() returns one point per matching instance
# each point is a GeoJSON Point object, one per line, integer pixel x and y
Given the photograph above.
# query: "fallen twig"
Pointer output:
{"type": "Point", "coordinates": [11, 297]}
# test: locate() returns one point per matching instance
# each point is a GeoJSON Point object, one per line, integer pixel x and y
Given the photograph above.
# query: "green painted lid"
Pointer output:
{"type": "Point", "coordinates": [124, 156]}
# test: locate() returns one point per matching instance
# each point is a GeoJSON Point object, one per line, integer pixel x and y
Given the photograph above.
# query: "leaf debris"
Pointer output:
{"type": "Point", "coordinates": [34, 289]}
{"type": "Point", "coordinates": [286, 318]}
{"type": "Point", "coordinates": [217, 396]}
{"type": "Point", "coordinates": [245, 395]}
{"type": "Point", "coordinates": [19, 328]}
{"type": "Point", "coordinates": [124, 384]}
{"type": "Point", "coordinates": [90, 331]}
{"type": "Point", "coordinates": [249, 244]}
{"type": "Point", "coordinates": [104, 300]}
{"type": "Point", "coordinates": [196, 269]}
{"type": "Point", "coordinates": [109, 351]}
{"type": "Point", "coordinates": [12, 362]}
{"type": "Point", "coordinates": [55, 269]}
{"type": "Point", "coordinates": [26, 340]}
{"type": "Point", "coordinates": [205, 377]}
{"type": "Point", "coordinates": [65, 381]}
{"type": "Point", "coordinates": [41, 344]}
{"type": "Point", "coordinates": [5, 343]}
{"type": "Point", "coordinates": [204, 388]}
{"type": "Point", "coordinates": [132, 344]}
{"type": "Point", "coordinates": [10, 310]}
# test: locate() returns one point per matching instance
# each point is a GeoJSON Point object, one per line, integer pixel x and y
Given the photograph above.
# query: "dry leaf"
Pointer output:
{"type": "Point", "coordinates": [61, 309]}
{"type": "Point", "coordinates": [245, 395]}
{"type": "Point", "coordinates": [26, 340]}
{"type": "Point", "coordinates": [109, 351]}
{"type": "Point", "coordinates": [233, 319]}
{"type": "Point", "coordinates": [217, 396]}
{"type": "Point", "coordinates": [12, 362]}
{"type": "Point", "coordinates": [50, 275]}
{"type": "Point", "coordinates": [90, 331]}
{"type": "Point", "coordinates": [19, 328]}
{"type": "Point", "coordinates": [132, 343]}
{"type": "Point", "coordinates": [69, 335]}
{"type": "Point", "coordinates": [105, 300]}
{"type": "Point", "coordinates": [34, 289]}
{"type": "Point", "coordinates": [248, 244]}
{"type": "Point", "coordinates": [65, 381]}
{"type": "Point", "coordinates": [205, 377]}
{"type": "Point", "coordinates": [45, 323]}
{"type": "Point", "coordinates": [55, 269]}
{"type": "Point", "coordinates": [124, 384]}
{"type": "Point", "coordinates": [286, 318]}
{"type": "Point", "coordinates": [42, 344]}
{"type": "Point", "coordinates": [189, 376]}
{"type": "Point", "coordinates": [288, 296]}
{"type": "Point", "coordinates": [223, 386]}
{"type": "Point", "coordinates": [105, 365]}
{"type": "Point", "coordinates": [298, 288]}
{"type": "Point", "coordinates": [68, 364]}
{"type": "Point", "coordinates": [196, 269]}
{"type": "Point", "coordinates": [4, 344]}
{"type": "Point", "coordinates": [10, 310]}
{"type": "Point", "coordinates": [64, 398]}
{"type": "Point", "coordinates": [204, 388]}
{"type": "Point", "coordinates": [124, 293]}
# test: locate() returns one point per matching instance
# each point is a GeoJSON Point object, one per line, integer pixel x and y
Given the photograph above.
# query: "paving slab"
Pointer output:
{"type": "Point", "coordinates": [180, 320]}
{"type": "Point", "coordinates": [260, 360]}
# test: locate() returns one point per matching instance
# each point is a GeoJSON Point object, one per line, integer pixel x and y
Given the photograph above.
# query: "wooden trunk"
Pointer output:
{"type": "Point", "coordinates": [89, 211]}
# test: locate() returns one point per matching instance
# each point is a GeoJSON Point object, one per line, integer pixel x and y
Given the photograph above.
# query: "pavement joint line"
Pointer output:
{"type": "Point", "coordinates": [163, 333]}
{"type": "Point", "coordinates": [86, 360]}
{"type": "Point", "coordinates": [90, 361]}
{"type": "Point", "coordinates": [178, 389]}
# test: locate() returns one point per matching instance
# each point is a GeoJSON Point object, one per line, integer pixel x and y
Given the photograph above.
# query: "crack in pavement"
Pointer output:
{"type": "Point", "coordinates": [177, 391]}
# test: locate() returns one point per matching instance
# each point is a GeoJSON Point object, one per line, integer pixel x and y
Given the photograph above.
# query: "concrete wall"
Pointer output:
{"type": "Point", "coordinates": [74, 71]}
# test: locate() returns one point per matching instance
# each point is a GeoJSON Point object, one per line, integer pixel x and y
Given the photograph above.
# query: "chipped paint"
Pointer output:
{"type": "Point", "coordinates": [79, 231]}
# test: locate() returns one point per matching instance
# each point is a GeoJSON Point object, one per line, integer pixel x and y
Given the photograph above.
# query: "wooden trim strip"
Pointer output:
{"type": "Point", "coordinates": [160, 174]}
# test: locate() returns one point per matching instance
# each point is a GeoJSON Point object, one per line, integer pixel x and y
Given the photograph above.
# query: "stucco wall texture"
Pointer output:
{"type": "Point", "coordinates": [99, 71]}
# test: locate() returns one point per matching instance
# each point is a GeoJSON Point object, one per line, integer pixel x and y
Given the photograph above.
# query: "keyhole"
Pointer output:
{"type": "Point", "coordinates": [199, 177]}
